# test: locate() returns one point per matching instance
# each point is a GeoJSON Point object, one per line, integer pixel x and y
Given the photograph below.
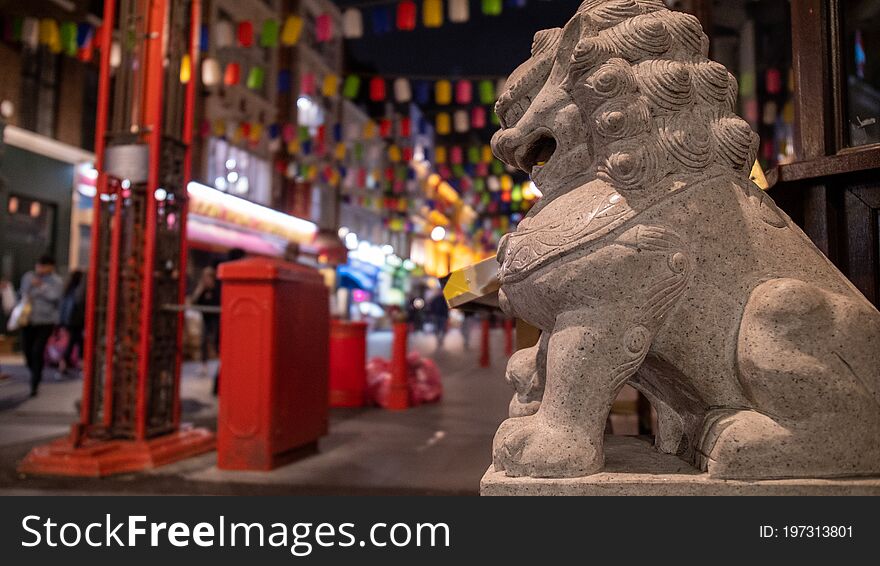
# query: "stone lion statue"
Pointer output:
{"type": "Point", "coordinates": [653, 260]}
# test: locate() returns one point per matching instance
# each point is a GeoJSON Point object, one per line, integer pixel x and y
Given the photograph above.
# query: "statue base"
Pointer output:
{"type": "Point", "coordinates": [634, 467]}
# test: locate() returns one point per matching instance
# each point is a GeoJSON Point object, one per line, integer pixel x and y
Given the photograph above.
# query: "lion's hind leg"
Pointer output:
{"type": "Point", "coordinates": [804, 363]}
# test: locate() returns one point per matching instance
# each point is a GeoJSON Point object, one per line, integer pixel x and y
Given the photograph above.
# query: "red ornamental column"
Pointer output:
{"type": "Point", "coordinates": [398, 394]}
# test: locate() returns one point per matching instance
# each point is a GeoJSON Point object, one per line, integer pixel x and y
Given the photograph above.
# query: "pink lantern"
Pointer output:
{"type": "Point", "coordinates": [463, 92]}
{"type": "Point", "coordinates": [478, 117]}
{"type": "Point", "coordinates": [323, 28]}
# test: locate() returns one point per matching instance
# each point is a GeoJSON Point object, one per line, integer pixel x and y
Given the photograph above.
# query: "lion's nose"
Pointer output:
{"type": "Point", "coordinates": [504, 144]}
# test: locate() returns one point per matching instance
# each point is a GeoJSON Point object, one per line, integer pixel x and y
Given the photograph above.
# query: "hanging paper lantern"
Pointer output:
{"type": "Point", "coordinates": [455, 155]}
{"type": "Point", "coordinates": [245, 34]}
{"type": "Point", "coordinates": [384, 128]}
{"type": "Point", "coordinates": [307, 84]}
{"type": "Point", "coordinates": [351, 87]}
{"type": "Point", "coordinates": [497, 167]}
{"type": "Point", "coordinates": [210, 72]}
{"type": "Point", "coordinates": [432, 13]}
{"type": "Point", "coordinates": [459, 11]}
{"type": "Point", "coordinates": [405, 127]}
{"type": "Point", "coordinates": [232, 74]}
{"type": "Point", "coordinates": [460, 121]}
{"type": "Point", "coordinates": [394, 155]}
{"type": "Point", "coordinates": [481, 170]}
{"type": "Point", "coordinates": [256, 77]}
{"type": "Point", "coordinates": [486, 90]}
{"type": "Point", "coordinates": [492, 7]}
{"type": "Point", "coordinates": [493, 184]}
{"type": "Point", "coordinates": [369, 130]}
{"type": "Point", "coordinates": [407, 153]}
{"type": "Point", "coordinates": [256, 133]}
{"type": "Point", "coordinates": [517, 3]}
{"type": "Point", "coordinates": [185, 69]}
{"type": "Point", "coordinates": [50, 35]}
{"type": "Point", "coordinates": [478, 117]}
{"type": "Point", "coordinates": [406, 15]}
{"type": "Point", "coordinates": [330, 85]}
{"type": "Point", "coordinates": [288, 133]}
{"type": "Point", "coordinates": [323, 28]}
{"type": "Point", "coordinates": [423, 92]}
{"type": "Point", "coordinates": [443, 92]}
{"type": "Point", "coordinates": [463, 92]}
{"type": "Point", "coordinates": [204, 38]}
{"type": "Point", "coordinates": [224, 36]}
{"type": "Point", "coordinates": [440, 155]}
{"type": "Point", "coordinates": [339, 152]}
{"type": "Point", "coordinates": [291, 31]}
{"type": "Point", "coordinates": [402, 90]}
{"type": "Point", "coordinates": [381, 20]}
{"type": "Point", "coordinates": [269, 33]}
{"type": "Point", "coordinates": [30, 32]}
{"type": "Point", "coordinates": [377, 89]}
{"type": "Point", "coordinates": [486, 154]}
{"type": "Point", "coordinates": [68, 34]}
{"type": "Point", "coordinates": [284, 81]}
{"type": "Point", "coordinates": [443, 124]}
{"type": "Point", "coordinates": [473, 154]}
{"type": "Point", "coordinates": [352, 23]}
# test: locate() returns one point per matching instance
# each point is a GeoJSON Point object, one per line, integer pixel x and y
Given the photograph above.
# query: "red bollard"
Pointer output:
{"type": "Point", "coordinates": [398, 393]}
{"type": "Point", "coordinates": [484, 343]}
{"type": "Point", "coordinates": [508, 337]}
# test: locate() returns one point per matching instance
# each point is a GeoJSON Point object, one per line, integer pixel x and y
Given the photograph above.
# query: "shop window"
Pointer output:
{"type": "Point", "coordinates": [239, 172]}
{"type": "Point", "coordinates": [860, 45]}
{"type": "Point", "coordinates": [30, 222]}
{"type": "Point", "coordinates": [753, 40]}
{"type": "Point", "coordinates": [39, 90]}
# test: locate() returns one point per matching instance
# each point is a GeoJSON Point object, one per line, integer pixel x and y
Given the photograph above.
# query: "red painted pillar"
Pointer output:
{"type": "Point", "coordinates": [398, 394]}
{"type": "Point", "coordinates": [484, 343]}
{"type": "Point", "coordinates": [508, 337]}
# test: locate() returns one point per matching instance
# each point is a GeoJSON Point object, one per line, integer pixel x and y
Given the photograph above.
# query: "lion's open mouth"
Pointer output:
{"type": "Point", "coordinates": [536, 153]}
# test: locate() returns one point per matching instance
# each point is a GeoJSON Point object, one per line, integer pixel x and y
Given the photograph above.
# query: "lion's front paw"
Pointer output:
{"type": "Point", "coordinates": [527, 446]}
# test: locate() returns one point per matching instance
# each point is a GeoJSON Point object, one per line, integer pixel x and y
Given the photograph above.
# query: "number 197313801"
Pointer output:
{"type": "Point", "coordinates": [807, 531]}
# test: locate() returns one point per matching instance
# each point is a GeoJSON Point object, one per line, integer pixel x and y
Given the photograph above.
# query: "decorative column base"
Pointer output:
{"type": "Point", "coordinates": [634, 467]}
{"type": "Point", "coordinates": [99, 458]}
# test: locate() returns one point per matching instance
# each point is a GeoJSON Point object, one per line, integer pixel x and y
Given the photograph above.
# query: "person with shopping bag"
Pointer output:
{"type": "Point", "coordinates": [42, 288]}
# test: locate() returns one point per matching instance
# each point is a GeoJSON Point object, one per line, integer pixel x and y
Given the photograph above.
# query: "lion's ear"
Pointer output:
{"type": "Point", "coordinates": [577, 27]}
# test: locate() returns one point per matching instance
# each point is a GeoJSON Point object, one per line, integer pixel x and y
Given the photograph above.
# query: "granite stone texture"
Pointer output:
{"type": "Point", "coordinates": [653, 260]}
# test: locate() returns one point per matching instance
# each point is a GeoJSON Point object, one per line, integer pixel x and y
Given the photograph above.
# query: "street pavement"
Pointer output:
{"type": "Point", "coordinates": [432, 449]}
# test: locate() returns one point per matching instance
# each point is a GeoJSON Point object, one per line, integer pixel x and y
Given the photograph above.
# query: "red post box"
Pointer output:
{"type": "Point", "coordinates": [273, 363]}
{"type": "Point", "coordinates": [348, 363]}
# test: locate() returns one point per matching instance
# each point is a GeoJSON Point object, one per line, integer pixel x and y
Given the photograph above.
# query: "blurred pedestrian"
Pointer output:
{"type": "Point", "coordinates": [439, 312]}
{"type": "Point", "coordinates": [207, 294]}
{"type": "Point", "coordinates": [43, 288]}
{"type": "Point", "coordinates": [7, 303]}
{"type": "Point", "coordinates": [72, 317]}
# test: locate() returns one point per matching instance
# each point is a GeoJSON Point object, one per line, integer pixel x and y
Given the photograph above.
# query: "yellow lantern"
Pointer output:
{"type": "Point", "coordinates": [443, 124]}
{"type": "Point", "coordinates": [432, 13]}
{"type": "Point", "coordinates": [330, 85]}
{"type": "Point", "coordinates": [506, 183]}
{"type": "Point", "coordinates": [443, 92]}
{"type": "Point", "coordinates": [394, 154]}
{"type": "Point", "coordinates": [486, 154]}
{"type": "Point", "coordinates": [291, 31]}
{"type": "Point", "coordinates": [440, 154]}
{"type": "Point", "coordinates": [185, 69]}
{"type": "Point", "coordinates": [339, 153]}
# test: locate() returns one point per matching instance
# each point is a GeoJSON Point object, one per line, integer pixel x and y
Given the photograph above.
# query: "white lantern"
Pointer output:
{"type": "Point", "coordinates": [211, 73]}
{"type": "Point", "coordinates": [115, 54]}
{"type": "Point", "coordinates": [30, 32]}
{"type": "Point", "coordinates": [352, 24]}
{"type": "Point", "coordinates": [460, 121]}
{"type": "Point", "coordinates": [224, 35]}
{"type": "Point", "coordinates": [402, 90]}
{"type": "Point", "coordinates": [459, 11]}
{"type": "Point", "coordinates": [493, 183]}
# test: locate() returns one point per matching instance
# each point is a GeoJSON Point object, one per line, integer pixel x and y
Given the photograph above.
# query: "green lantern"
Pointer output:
{"type": "Point", "coordinates": [269, 33]}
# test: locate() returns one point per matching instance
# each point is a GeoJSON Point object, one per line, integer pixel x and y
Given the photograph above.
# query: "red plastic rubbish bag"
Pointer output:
{"type": "Point", "coordinates": [423, 380]}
